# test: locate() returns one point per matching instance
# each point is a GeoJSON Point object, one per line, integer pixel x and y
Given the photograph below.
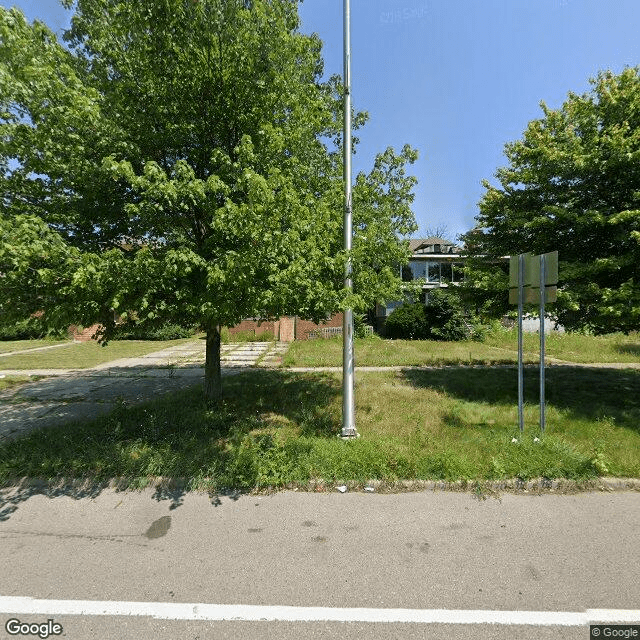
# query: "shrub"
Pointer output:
{"type": "Point", "coordinates": [246, 336]}
{"type": "Point", "coordinates": [140, 332]}
{"type": "Point", "coordinates": [445, 317]}
{"type": "Point", "coordinates": [361, 327]}
{"type": "Point", "coordinates": [408, 322]}
{"type": "Point", "coordinates": [442, 318]}
{"type": "Point", "coordinates": [30, 329]}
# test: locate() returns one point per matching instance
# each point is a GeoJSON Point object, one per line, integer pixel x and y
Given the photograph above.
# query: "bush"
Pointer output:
{"type": "Point", "coordinates": [361, 327]}
{"type": "Point", "coordinates": [445, 317]}
{"type": "Point", "coordinates": [442, 318]}
{"type": "Point", "coordinates": [30, 329]}
{"type": "Point", "coordinates": [407, 322]}
{"type": "Point", "coordinates": [140, 332]}
{"type": "Point", "coordinates": [227, 337]}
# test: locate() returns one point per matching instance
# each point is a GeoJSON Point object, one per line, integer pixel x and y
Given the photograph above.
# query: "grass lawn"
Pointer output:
{"type": "Point", "coordinates": [81, 355]}
{"type": "Point", "coordinates": [11, 381]}
{"type": "Point", "coordinates": [499, 348]}
{"type": "Point", "coordinates": [17, 345]}
{"type": "Point", "coordinates": [277, 428]}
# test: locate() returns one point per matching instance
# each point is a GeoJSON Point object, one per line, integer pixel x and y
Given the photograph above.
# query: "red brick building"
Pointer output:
{"type": "Point", "coordinates": [290, 328]}
{"type": "Point", "coordinates": [286, 328]}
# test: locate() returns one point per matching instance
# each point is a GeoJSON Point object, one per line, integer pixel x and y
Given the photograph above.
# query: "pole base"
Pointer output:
{"type": "Point", "coordinates": [348, 434]}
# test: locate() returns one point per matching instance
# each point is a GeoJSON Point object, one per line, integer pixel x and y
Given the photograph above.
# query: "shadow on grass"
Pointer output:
{"type": "Point", "coordinates": [628, 349]}
{"type": "Point", "coordinates": [175, 436]}
{"type": "Point", "coordinates": [586, 392]}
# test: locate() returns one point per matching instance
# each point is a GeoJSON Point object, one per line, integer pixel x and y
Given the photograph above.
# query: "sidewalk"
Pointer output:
{"type": "Point", "coordinates": [65, 395]}
{"type": "Point", "coordinates": [172, 361]}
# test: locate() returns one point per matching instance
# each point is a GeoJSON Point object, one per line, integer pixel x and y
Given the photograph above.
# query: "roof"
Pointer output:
{"type": "Point", "coordinates": [427, 245]}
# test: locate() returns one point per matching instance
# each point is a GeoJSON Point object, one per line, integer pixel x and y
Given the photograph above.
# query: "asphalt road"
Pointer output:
{"type": "Point", "coordinates": [419, 551]}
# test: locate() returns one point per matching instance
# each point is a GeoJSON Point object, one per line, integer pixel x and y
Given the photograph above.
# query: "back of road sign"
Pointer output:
{"type": "Point", "coordinates": [531, 278]}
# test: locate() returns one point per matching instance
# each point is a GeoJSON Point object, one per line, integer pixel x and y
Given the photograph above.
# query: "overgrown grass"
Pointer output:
{"type": "Point", "coordinates": [375, 351]}
{"type": "Point", "coordinates": [6, 382]}
{"type": "Point", "coordinates": [85, 354]}
{"type": "Point", "coordinates": [277, 428]}
{"type": "Point", "coordinates": [573, 347]}
{"type": "Point", "coordinates": [17, 345]}
{"type": "Point", "coordinates": [499, 347]}
{"type": "Point", "coordinates": [246, 336]}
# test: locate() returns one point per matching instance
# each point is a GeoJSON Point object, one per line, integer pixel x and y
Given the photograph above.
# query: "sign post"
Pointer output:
{"type": "Point", "coordinates": [542, 339]}
{"type": "Point", "coordinates": [521, 267]}
{"type": "Point", "coordinates": [532, 279]}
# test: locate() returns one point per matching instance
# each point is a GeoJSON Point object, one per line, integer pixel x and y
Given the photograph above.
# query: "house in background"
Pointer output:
{"type": "Point", "coordinates": [435, 262]}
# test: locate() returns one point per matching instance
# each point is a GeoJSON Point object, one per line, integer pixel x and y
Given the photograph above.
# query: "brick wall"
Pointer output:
{"type": "Point", "coordinates": [287, 328]}
{"type": "Point", "coordinates": [256, 327]}
{"type": "Point", "coordinates": [81, 334]}
{"type": "Point", "coordinates": [305, 327]}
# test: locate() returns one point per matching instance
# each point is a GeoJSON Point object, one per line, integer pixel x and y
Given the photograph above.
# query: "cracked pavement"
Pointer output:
{"type": "Point", "coordinates": [67, 395]}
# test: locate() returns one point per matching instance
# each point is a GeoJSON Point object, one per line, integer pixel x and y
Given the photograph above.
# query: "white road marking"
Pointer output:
{"type": "Point", "coordinates": [220, 612]}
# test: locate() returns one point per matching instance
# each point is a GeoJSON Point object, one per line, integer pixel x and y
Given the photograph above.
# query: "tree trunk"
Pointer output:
{"type": "Point", "coordinates": [212, 377]}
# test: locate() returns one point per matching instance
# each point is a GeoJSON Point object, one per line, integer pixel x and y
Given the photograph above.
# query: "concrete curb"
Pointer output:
{"type": "Point", "coordinates": [480, 488]}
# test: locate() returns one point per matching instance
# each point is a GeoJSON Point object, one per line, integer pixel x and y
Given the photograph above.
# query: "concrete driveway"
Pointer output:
{"type": "Point", "coordinates": [65, 395]}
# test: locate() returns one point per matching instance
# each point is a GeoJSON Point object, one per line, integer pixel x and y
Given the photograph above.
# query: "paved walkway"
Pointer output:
{"type": "Point", "coordinates": [65, 394]}
{"type": "Point", "coordinates": [50, 346]}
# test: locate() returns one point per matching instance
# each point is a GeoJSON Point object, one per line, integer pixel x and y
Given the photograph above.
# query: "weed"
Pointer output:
{"type": "Point", "coordinates": [276, 428]}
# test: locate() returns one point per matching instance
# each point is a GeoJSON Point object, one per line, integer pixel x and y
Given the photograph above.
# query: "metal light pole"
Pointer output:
{"type": "Point", "coordinates": [521, 267]}
{"type": "Point", "coordinates": [348, 412]}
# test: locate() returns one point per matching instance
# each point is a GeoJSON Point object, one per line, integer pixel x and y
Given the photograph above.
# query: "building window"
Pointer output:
{"type": "Point", "coordinates": [418, 269]}
{"type": "Point", "coordinates": [433, 272]}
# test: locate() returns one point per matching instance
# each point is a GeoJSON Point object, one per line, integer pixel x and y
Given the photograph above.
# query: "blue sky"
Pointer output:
{"type": "Point", "coordinates": [457, 79]}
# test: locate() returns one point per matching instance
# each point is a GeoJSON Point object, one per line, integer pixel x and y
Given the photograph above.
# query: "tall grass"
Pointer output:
{"type": "Point", "coordinates": [498, 347]}
{"type": "Point", "coordinates": [276, 428]}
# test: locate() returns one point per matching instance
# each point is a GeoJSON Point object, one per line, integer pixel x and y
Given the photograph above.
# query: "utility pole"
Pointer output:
{"type": "Point", "coordinates": [348, 411]}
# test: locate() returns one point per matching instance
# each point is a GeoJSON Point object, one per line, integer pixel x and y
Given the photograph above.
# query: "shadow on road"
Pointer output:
{"type": "Point", "coordinates": [12, 497]}
{"type": "Point", "coordinates": [175, 436]}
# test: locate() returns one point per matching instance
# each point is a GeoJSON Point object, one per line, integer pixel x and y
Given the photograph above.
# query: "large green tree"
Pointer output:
{"type": "Point", "coordinates": [573, 185]}
{"type": "Point", "coordinates": [181, 160]}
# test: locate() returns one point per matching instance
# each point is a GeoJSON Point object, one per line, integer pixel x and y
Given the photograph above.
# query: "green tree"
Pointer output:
{"type": "Point", "coordinates": [179, 160]}
{"type": "Point", "coordinates": [573, 185]}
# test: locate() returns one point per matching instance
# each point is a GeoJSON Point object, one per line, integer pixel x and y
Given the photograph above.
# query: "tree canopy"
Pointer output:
{"type": "Point", "coordinates": [181, 160]}
{"type": "Point", "coordinates": [572, 185]}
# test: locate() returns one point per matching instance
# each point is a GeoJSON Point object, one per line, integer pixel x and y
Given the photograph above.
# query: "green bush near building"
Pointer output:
{"type": "Point", "coordinates": [442, 318]}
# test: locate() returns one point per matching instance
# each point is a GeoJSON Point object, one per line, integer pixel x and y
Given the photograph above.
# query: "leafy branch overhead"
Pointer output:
{"type": "Point", "coordinates": [181, 161]}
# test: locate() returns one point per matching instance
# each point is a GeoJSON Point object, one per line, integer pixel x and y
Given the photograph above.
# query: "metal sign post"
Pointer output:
{"type": "Point", "coordinates": [532, 279]}
{"type": "Point", "coordinates": [542, 338]}
{"type": "Point", "coordinates": [521, 268]}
